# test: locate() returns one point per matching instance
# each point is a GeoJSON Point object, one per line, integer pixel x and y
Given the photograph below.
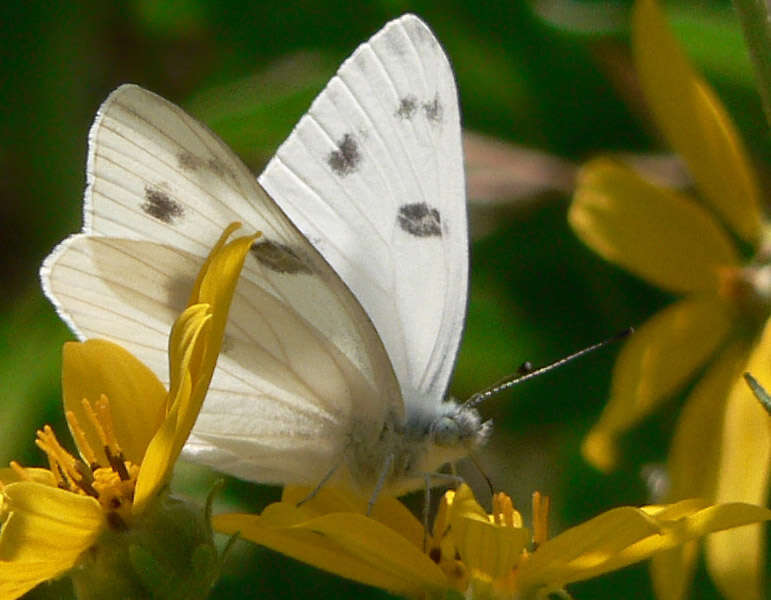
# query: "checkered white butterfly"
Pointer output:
{"type": "Point", "coordinates": [347, 319]}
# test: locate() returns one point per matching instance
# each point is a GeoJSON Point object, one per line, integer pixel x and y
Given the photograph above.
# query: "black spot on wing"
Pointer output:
{"type": "Point", "coordinates": [192, 163]}
{"type": "Point", "coordinates": [407, 107]}
{"type": "Point", "coordinates": [346, 158]}
{"type": "Point", "coordinates": [189, 161]}
{"type": "Point", "coordinates": [160, 205]}
{"type": "Point", "coordinates": [433, 110]}
{"type": "Point", "coordinates": [420, 220]}
{"type": "Point", "coordinates": [279, 257]}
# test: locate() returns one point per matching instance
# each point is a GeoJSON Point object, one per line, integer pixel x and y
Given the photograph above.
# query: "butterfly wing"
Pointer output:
{"type": "Point", "coordinates": [373, 176]}
{"type": "Point", "coordinates": [300, 354]}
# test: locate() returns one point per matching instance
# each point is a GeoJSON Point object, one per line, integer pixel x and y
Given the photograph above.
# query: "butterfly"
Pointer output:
{"type": "Point", "coordinates": [346, 322]}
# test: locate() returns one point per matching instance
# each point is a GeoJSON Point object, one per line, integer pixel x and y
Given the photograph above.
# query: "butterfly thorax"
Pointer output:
{"type": "Point", "coordinates": [405, 450]}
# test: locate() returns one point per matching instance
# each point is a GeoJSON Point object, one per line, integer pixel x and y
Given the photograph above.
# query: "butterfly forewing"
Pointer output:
{"type": "Point", "coordinates": [373, 176]}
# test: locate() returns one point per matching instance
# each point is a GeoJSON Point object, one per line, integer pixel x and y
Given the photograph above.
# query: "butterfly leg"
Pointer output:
{"type": "Point", "coordinates": [321, 484]}
{"type": "Point", "coordinates": [384, 472]}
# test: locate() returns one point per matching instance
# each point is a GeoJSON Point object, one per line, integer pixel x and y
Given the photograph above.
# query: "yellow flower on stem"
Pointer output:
{"type": "Point", "coordinates": [714, 251]}
{"type": "Point", "coordinates": [83, 515]}
{"type": "Point", "coordinates": [471, 552]}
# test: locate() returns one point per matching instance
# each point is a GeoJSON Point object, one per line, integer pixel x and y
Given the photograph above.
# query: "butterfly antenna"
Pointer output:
{"type": "Point", "coordinates": [489, 482]}
{"type": "Point", "coordinates": [526, 371]}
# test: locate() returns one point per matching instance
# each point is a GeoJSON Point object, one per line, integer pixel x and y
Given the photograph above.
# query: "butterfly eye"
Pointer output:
{"type": "Point", "coordinates": [446, 431]}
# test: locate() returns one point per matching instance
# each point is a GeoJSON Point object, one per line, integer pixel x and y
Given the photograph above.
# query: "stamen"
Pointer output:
{"type": "Point", "coordinates": [20, 471]}
{"type": "Point", "coordinates": [102, 422]}
{"type": "Point", "coordinates": [540, 519]}
{"type": "Point", "coordinates": [81, 440]}
{"type": "Point", "coordinates": [103, 406]}
{"type": "Point", "coordinates": [70, 471]}
{"type": "Point", "coordinates": [92, 416]}
{"type": "Point", "coordinates": [117, 464]}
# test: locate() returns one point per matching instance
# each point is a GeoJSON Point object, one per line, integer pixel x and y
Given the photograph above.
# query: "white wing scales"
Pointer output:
{"type": "Point", "coordinates": [279, 379]}
{"type": "Point", "coordinates": [373, 174]}
{"type": "Point", "coordinates": [300, 353]}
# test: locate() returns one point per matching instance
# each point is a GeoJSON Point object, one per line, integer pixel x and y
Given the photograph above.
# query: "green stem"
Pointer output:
{"type": "Point", "coordinates": [754, 17]}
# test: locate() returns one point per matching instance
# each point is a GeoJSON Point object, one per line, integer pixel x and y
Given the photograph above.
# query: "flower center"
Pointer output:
{"type": "Point", "coordinates": [111, 484]}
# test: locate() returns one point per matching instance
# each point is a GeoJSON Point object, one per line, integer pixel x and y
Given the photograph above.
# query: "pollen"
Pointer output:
{"type": "Point", "coordinates": [112, 484]}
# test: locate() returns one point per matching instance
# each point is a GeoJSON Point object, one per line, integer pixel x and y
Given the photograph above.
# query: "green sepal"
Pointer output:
{"type": "Point", "coordinates": [167, 553]}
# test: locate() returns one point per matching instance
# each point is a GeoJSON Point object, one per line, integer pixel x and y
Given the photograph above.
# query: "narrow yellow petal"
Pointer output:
{"type": "Point", "coordinates": [48, 524]}
{"type": "Point", "coordinates": [736, 559]}
{"type": "Point", "coordinates": [18, 578]}
{"type": "Point", "coordinates": [672, 571]}
{"type": "Point", "coordinates": [696, 445]}
{"type": "Point", "coordinates": [387, 510]}
{"type": "Point", "coordinates": [194, 346]}
{"type": "Point", "coordinates": [659, 235]}
{"type": "Point", "coordinates": [692, 458]}
{"type": "Point", "coordinates": [492, 549]}
{"type": "Point", "coordinates": [215, 286]}
{"type": "Point", "coordinates": [44, 476]}
{"type": "Point", "coordinates": [695, 123]}
{"type": "Point", "coordinates": [136, 396]}
{"type": "Point", "coordinates": [585, 548]}
{"type": "Point", "coordinates": [654, 363]}
{"type": "Point", "coordinates": [349, 545]}
{"type": "Point", "coordinates": [627, 535]}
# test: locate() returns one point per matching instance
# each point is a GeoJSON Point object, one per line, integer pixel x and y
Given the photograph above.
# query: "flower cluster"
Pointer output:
{"type": "Point", "coordinates": [102, 515]}
{"type": "Point", "coordinates": [469, 551]}
{"type": "Point", "coordinates": [713, 250]}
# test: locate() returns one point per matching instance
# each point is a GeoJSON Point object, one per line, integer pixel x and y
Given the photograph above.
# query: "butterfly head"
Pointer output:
{"type": "Point", "coordinates": [460, 428]}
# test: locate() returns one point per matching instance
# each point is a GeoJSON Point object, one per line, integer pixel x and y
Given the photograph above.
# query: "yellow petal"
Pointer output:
{"type": "Point", "coordinates": [136, 396]}
{"type": "Point", "coordinates": [215, 286]}
{"type": "Point", "coordinates": [48, 524]}
{"type": "Point", "coordinates": [347, 544]}
{"type": "Point", "coordinates": [167, 442]}
{"type": "Point", "coordinates": [492, 549]}
{"type": "Point", "coordinates": [696, 446]}
{"type": "Point", "coordinates": [736, 559]}
{"type": "Point", "coordinates": [387, 510]}
{"type": "Point", "coordinates": [672, 571]}
{"type": "Point", "coordinates": [659, 235]}
{"type": "Point", "coordinates": [194, 346]}
{"type": "Point", "coordinates": [627, 535]}
{"type": "Point", "coordinates": [44, 476]}
{"type": "Point", "coordinates": [692, 458]}
{"type": "Point", "coordinates": [654, 363]}
{"type": "Point", "coordinates": [695, 123]}
{"type": "Point", "coordinates": [18, 578]}
{"type": "Point", "coordinates": [585, 548]}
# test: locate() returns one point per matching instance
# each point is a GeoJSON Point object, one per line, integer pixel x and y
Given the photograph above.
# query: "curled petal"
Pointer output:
{"type": "Point", "coordinates": [656, 360]}
{"type": "Point", "coordinates": [695, 123]}
{"type": "Point", "coordinates": [659, 235]}
{"type": "Point", "coordinates": [194, 345]}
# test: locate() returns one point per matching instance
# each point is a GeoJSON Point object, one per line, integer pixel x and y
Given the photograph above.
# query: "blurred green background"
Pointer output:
{"type": "Point", "coordinates": [553, 76]}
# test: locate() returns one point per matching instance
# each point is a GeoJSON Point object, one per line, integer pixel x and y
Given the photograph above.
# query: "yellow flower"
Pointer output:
{"type": "Point", "coordinates": [129, 431]}
{"type": "Point", "coordinates": [469, 551]}
{"type": "Point", "coordinates": [714, 251]}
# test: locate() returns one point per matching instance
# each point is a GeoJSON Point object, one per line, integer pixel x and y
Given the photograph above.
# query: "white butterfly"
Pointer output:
{"type": "Point", "coordinates": [348, 316]}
